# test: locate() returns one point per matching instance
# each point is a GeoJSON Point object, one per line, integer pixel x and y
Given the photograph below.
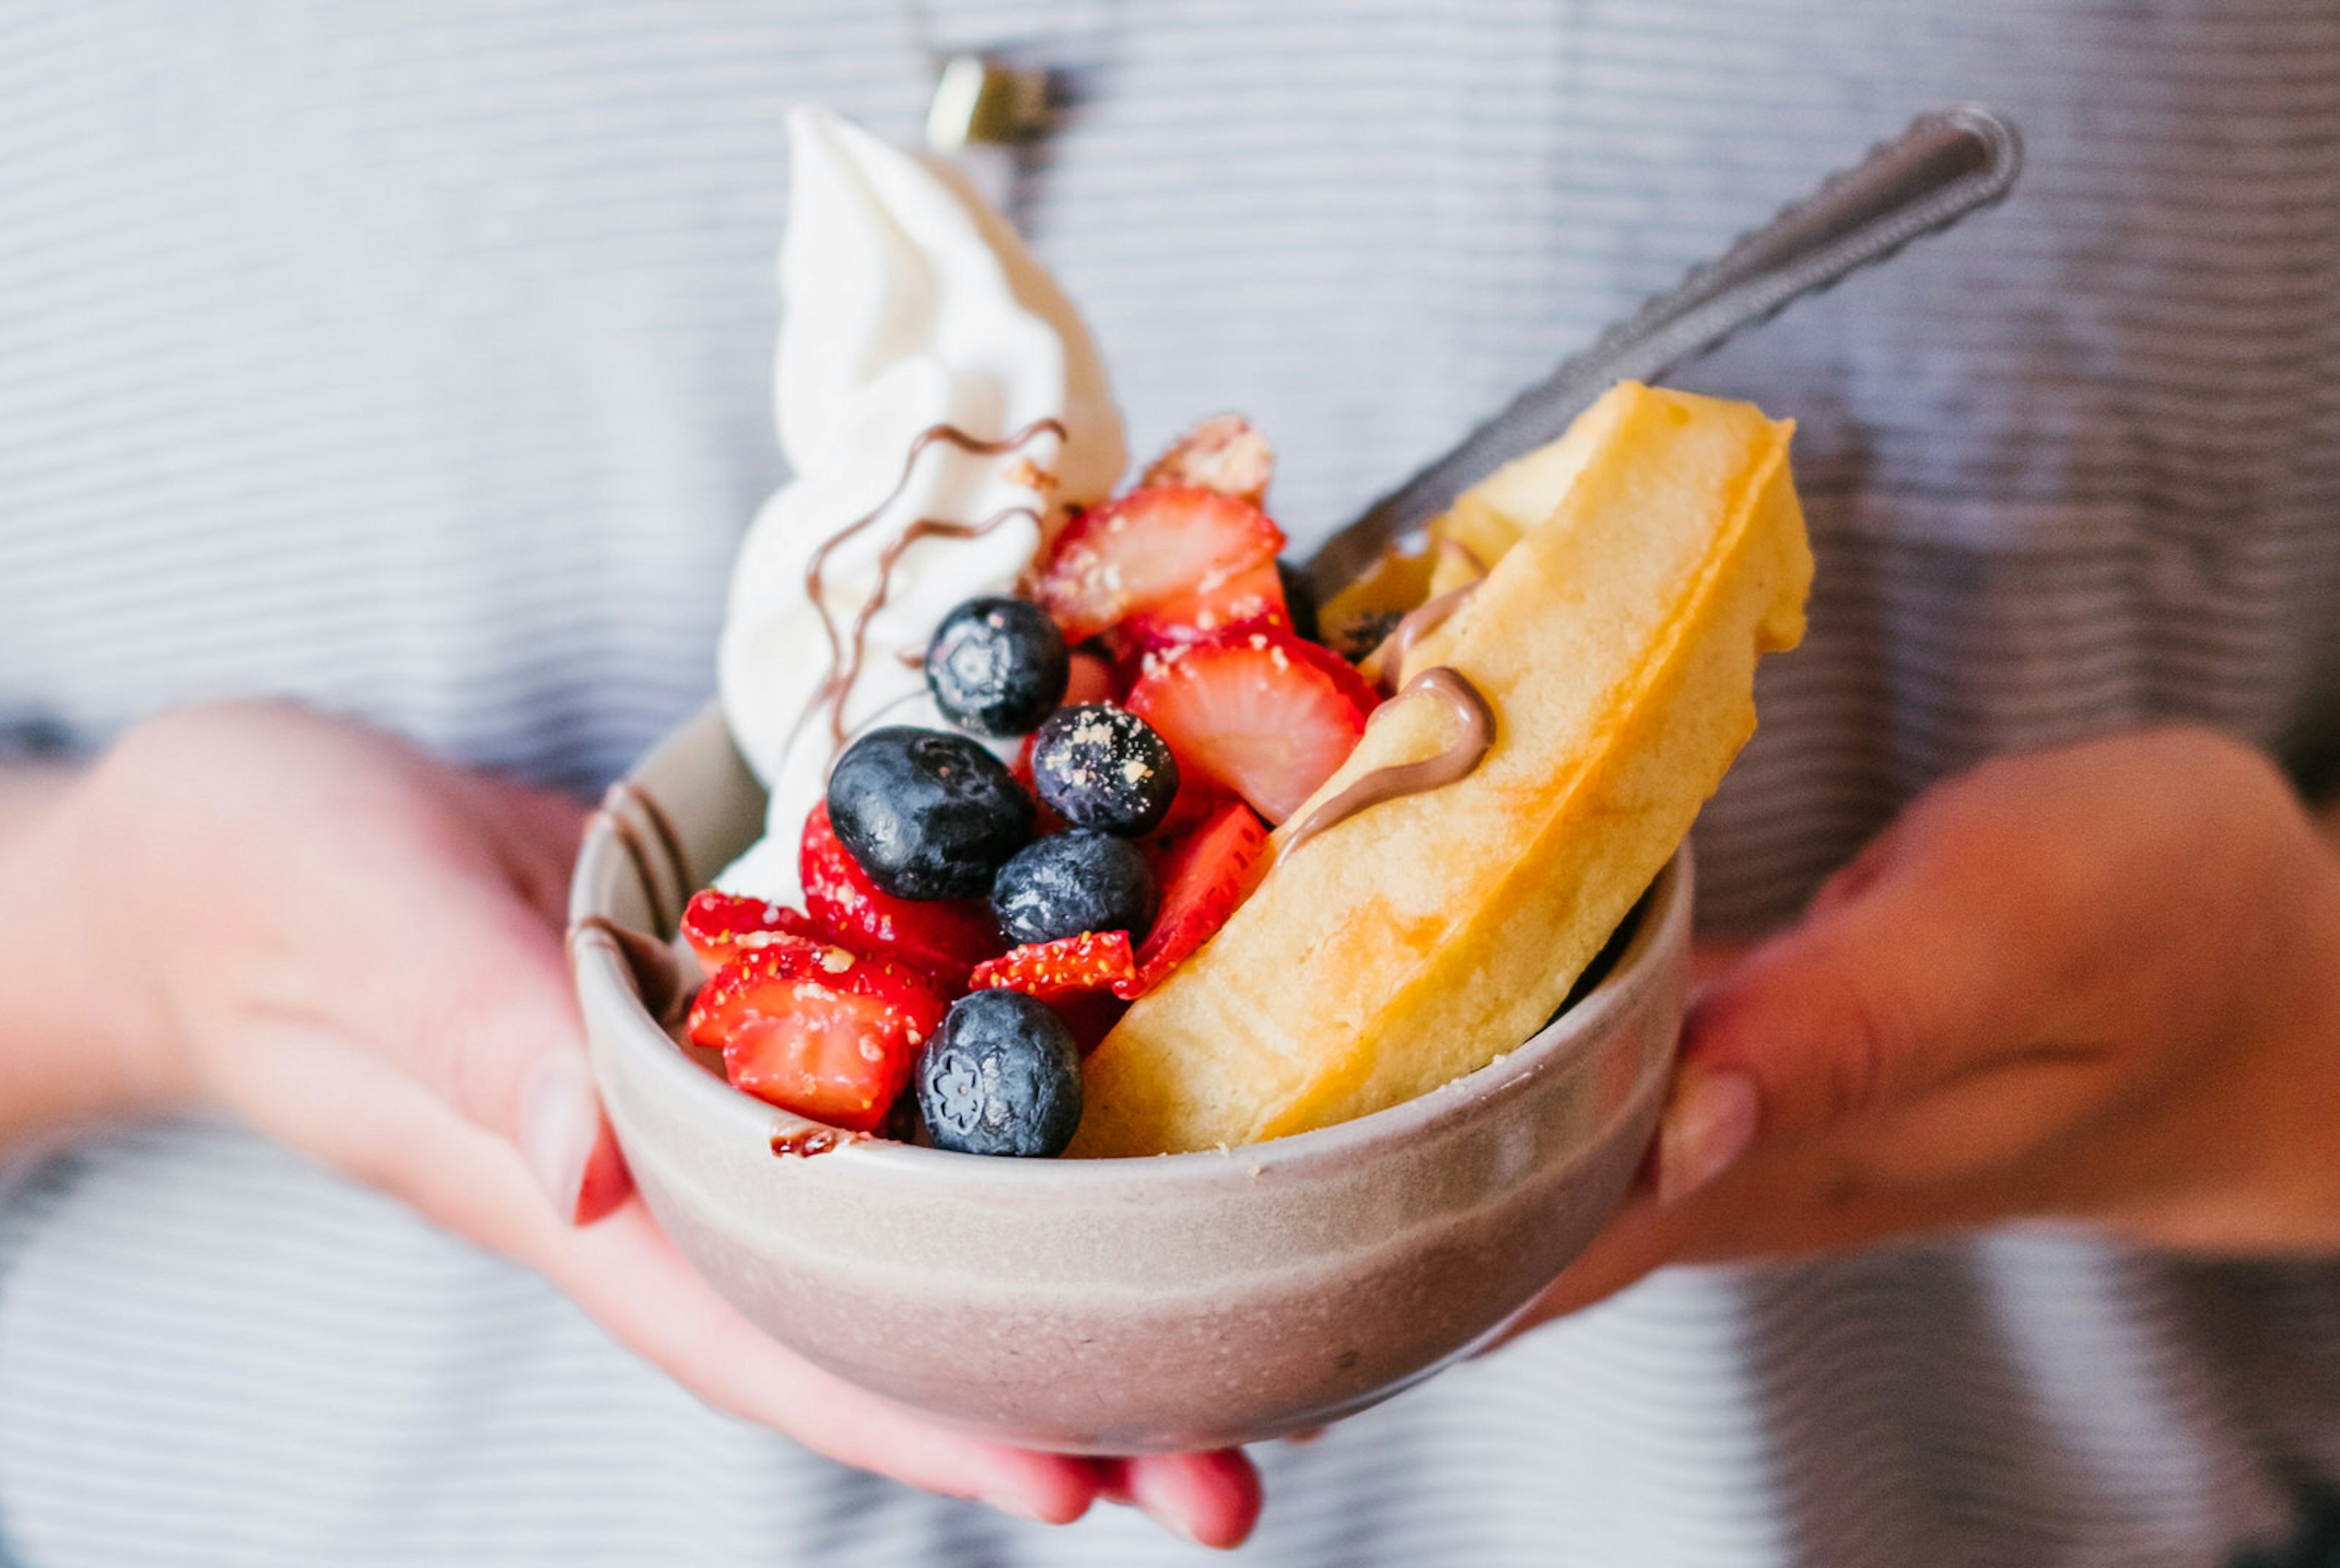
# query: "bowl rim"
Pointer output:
{"type": "Point", "coordinates": [602, 977]}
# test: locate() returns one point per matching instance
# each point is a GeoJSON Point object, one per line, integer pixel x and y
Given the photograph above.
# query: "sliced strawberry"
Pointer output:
{"type": "Point", "coordinates": [1092, 962]}
{"type": "Point", "coordinates": [1252, 597]}
{"type": "Point", "coordinates": [1197, 801]}
{"type": "Point", "coordinates": [1257, 713]}
{"type": "Point", "coordinates": [1203, 878]}
{"type": "Point", "coordinates": [721, 926]}
{"type": "Point", "coordinates": [1152, 545]}
{"type": "Point", "coordinates": [945, 937]}
{"type": "Point", "coordinates": [1344, 674]}
{"type": "Point", "coordinates": [817, 1029]}
{"type": "Point", "coordinates": [1143, 643]}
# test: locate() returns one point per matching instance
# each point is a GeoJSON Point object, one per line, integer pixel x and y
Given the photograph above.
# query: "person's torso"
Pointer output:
{"type": "Point", "coordinates": [417, 362]}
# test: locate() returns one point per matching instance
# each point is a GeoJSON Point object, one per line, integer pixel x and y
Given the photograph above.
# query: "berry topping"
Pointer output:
{"type": "Point", "coordinates": [1070, 882]}
{"type": "Point", "coordinates": [1150, 545]}
{"type": "Point", "coordinates": [1261, 714]}
{"type": "Point", "coordinates": [717, 924]}
{"type": "Point", "coordinates": [944, 936]}
{"type": "Point", "coordinates": [1204, 877]}
{"type": "Point", "coordinates": [927, 814]}
{"type": "Point", "coordinates": [1199, 800]}
{"type": "Point", "coordinates": [1252, 597]}
{"type": "Point", "coordinates": [719, 927]}
{"type": "Point", "coordinates": [997, 666]}
{"type": "Point", "coordinates": [1339, 671]}
{"type": "Point", "coordinates": [817, 1029]}
{"type": "Point", "coordinates": [1002, 1077]}
{"type": "Point", "coordinates": [1103, 767]}
{"type": "Point", "coordinates": [1092, 962]}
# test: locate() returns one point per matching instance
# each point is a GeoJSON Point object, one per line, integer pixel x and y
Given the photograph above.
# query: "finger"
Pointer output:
{"type": "Point", "coordinates": [1894, 983]}
{"type": "Point", "coordinates": [440, 957]}
{"type": "Point", "coordinates": [501, 1038]}
{"type": "Point", "coordinates": [341, 1102]}
{"type": "Point", "coordinates": [1709, 961]}
{"type": "Point", "coordinates": [1799, 1034]}
{"type": "Point", "coordinates": [1818, 1196]}
{"type": "Point", "coordinates": [536, 834]}
{"type": "Point", "coordinates": [401, 904]}
{"type": "Point", "coordinates": [562, 1129]}
{"type": "Point", "coordinates": [559, 1112]}
{"type": "Point", "coordinates": [1805, 1198]}
{"type": "Point", "coordinates": [1212, 1498]}
{"type": "Point", "coordinates": [393, 1133]}
{"type": "Point", "coordinates": [627, 1274]}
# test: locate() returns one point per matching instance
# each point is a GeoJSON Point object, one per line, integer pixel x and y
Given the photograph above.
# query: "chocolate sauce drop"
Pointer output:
{"type": "Point", "coordinates": [847, 650]}
{"type": "Point", "coordinates": [1470, 710]}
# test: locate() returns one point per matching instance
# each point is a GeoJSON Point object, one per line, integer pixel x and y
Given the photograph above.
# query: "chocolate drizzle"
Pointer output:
{"type": "Point", "coordinates": [657, 976]}
{"type": "Point", "coordinates": [1389, 658]}
{"type": "Point", "coordinates": [848, 649]}
{"type": "Point", "coordinates": [1470, 711]}
{"type": "Point", "coordinates": [803, 1142]}
{"type": "Point", "coordinates": [665, 876]}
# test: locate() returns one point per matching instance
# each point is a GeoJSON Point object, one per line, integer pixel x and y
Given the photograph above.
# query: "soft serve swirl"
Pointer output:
{"type": "Point", "coordinates": [907, 305]}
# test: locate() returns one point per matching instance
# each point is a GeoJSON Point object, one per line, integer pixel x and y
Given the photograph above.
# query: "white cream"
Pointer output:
{"type": "Point", "coordinates": [906, 303]}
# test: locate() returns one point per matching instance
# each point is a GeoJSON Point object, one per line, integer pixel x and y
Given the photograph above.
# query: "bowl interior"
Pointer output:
{"type": "Point", "coordinates": [691, 808]}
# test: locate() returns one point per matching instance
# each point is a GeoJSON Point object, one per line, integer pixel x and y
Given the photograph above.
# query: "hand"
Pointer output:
{"type": "Point", "coordinates": [2100, 984]}
{"type": "Point", "coordinates": [357, 950]}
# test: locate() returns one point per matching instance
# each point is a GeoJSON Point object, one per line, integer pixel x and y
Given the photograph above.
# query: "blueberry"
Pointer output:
{"type": "Point", "coordinates": [997, 665]}
{"type": "Point", "coordinates": [1074, 881]}
{"type": "Point", "coordinates": [1103, 767]}
{"type": "Point", "coordinates": [929, 814]}
{"type": "Point", "coordinates": [1001, 1077]}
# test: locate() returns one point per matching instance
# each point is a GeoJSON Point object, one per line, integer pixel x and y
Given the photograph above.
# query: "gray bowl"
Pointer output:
{"type": "Point", "coordinates": [1130, 1305]}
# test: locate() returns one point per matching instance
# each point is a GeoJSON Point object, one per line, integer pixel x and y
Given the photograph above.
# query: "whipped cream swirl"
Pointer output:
{"type": "Point", "coordinates": [907, 304]}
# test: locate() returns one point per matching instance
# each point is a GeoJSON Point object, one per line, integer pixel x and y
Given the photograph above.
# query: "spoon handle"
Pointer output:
{"type": "Point", "coordinates": [1947, 164]}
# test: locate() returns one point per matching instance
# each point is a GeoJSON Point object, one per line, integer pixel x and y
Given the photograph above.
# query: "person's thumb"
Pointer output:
{"type": "Point", "coordinates": [477, 1005]}
{"type": "Point", "coordinates": [1890, 985]}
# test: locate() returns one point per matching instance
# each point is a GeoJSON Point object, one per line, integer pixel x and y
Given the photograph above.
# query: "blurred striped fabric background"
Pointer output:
{"type": "Point", "coordinates": [414, 361]}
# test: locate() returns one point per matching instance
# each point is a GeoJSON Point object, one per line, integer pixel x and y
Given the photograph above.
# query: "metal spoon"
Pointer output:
{"type": "Point", "coordinates": [1947, 164]}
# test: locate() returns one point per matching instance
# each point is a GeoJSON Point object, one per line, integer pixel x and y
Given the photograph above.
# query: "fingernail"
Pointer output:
{"type": "Point", "coordinates": [1016, 1508]}
{"type": "Point", "coordinates": [558, 1122]}
{"type": "Point", "coordinates": [1164, 1512]}
{"type": "Point", "coordinates": [1708, 1125]}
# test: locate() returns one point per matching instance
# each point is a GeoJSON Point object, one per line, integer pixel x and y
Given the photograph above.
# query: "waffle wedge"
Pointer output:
{"type": "Point", "coordinates": [1640, 566]}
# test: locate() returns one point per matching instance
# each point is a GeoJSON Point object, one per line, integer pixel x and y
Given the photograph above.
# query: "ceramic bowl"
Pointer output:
{"type": "Point", "coordinates": [1129, 1305]}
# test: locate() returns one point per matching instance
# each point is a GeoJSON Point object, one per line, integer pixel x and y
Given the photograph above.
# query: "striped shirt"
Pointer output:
{"type": "Point", "coordinates": [414, 361]}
